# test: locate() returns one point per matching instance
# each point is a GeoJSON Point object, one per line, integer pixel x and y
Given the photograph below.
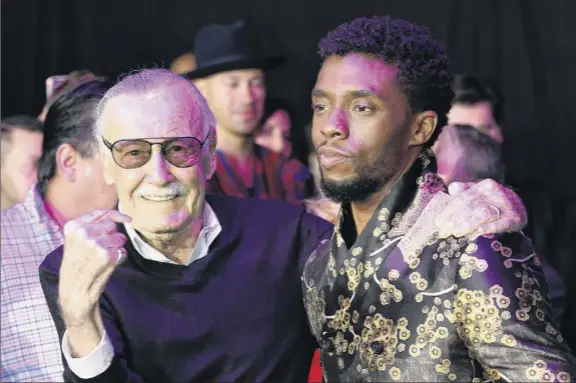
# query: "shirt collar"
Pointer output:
{"type": "Point", "coordinates": [36, 208]}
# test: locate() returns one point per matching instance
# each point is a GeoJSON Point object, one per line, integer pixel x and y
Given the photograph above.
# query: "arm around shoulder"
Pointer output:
{"type": "Point", "coordinates": [503, 314]}
{"type": "Point", "coordinates": [313, 231]}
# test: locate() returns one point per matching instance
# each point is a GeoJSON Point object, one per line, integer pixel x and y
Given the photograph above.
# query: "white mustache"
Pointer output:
{"type": "Point", "coordinates": [170, 190]}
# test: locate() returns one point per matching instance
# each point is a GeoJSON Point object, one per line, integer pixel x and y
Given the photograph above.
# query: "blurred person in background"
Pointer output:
{"type": "Point", "coordinates": [275, 130]}
{"type": "Point", "coordinates": [58, 84]}
{"type": "Point", "coordinates": [466, 154]}
{"type": "Point", "coordinates": [70, 184]}
{"type": "Point", "coordinates": [230, 75]}
{"type": "Point", "coordinates": [478, 102]}
{"type": "Point", "coordinates": [183, 64]}
{"type": "Point", "coordinates": [21, 147]}
{"type": "Point", "coordinates": [472, 148]}
{"type": "Point", "coordinates": [318, 205]}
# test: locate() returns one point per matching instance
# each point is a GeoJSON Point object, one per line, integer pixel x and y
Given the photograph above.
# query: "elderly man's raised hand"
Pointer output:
{"type": "Point", "coordinates": [93, 248]}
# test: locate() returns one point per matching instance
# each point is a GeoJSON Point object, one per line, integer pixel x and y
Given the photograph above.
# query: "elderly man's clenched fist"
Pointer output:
{"type": "Point", "coordinates": [93, 248]}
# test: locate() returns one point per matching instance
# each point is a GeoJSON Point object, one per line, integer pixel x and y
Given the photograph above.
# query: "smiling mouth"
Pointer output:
{"type": "Point", "coordinates": [159, 198]}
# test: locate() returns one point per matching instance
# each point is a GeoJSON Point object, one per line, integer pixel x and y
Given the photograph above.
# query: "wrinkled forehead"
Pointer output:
{"type": "Point", "coordinates": [158, 114]}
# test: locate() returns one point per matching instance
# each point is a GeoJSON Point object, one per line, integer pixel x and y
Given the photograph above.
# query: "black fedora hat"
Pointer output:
{"type": "Point", "coordinates": [225, 47]}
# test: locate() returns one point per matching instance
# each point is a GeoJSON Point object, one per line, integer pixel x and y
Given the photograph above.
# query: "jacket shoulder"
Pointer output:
{"type": "Point", "coordinates": [52, 262]}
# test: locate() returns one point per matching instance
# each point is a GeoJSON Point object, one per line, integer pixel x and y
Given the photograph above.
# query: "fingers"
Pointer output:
{"type": "Point", "coordinates": [328, 216]}
{"type": "Point", "coordinates": [465, 202]}
{"type": "Point", "coordinates": [95, 216]}
{"type": "Point", "coordinates": [81, 221]}
{"type": "Point", "coordinates": [82, 281]}
{"type": "Point", "coordinates": [449, 217]}
{"type": "Point", "coordinates": [324, 208]}
{"type": "Point", "coordinates": [100, 228]}
{"type": "Point", "coordinates": [92, 251]}
{"type": "Point", "coordinates": [111, 243]}
{"type": "Point", "coordinates": [95, 254]}
{"type": "Point", "coordinates": [500, 226]}
{"type": "Point", "coordinates": [114, 256]}
{"type": "Point", "coordinates": [488, 186]}
{"type": "Point", "coordinates": [469, 223]}
{"type": "Point", "coordinates": [466, 217]}
{"type": "Point", "coordinates": [487, 207]}
{"type": "Point", "coordinates": [115, 216]}
{"type": "Point", "coordinates": [455, 206]}
{"type": "Point", "coordinates": [456, 188]}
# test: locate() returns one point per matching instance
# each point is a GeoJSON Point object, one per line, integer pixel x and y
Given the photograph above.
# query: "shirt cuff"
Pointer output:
{"type": "Point", "coordinates": [92, 364]}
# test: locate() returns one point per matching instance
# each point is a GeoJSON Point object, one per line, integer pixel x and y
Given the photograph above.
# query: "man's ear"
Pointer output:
{"type": "Point", "coordinates": [423, 127]}
{"type": "Point", "coordinates": [66, 161]}
{"type": "Point", "coordinates": [210, 161]}
{"type": "Point", "coordinates": [212, 168]}
{"type": "Point", "coordinates": [107, 174]}
{"type": "Point", "coordinates": [108, 165]}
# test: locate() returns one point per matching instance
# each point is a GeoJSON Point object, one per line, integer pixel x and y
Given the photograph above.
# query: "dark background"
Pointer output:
{"type": "Point", "coordinates": [526, 46]}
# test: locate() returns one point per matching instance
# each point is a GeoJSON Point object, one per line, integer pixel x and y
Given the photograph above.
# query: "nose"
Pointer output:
{"type": "Point", "coordinates": [247, 94]}
{"type": "Point", "coordinates": [158, 169]}
{"type": "Point", "coordinates": [336, 125]}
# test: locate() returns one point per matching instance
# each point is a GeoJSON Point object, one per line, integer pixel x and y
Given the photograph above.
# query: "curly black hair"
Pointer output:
{"type": "Point", "coordinates": [422, 61]}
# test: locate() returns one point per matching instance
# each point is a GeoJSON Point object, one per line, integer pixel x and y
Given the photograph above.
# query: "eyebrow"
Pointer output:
{"type": "Point", "coordinates": [236, 77]}
{"type": "Point", "coordinates": [354, 94]}
{"type": "Point", "coordinates": [318, 93]}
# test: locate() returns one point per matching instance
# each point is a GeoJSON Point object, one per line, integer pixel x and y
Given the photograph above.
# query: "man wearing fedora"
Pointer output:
{"type": "Point", "coordinates": [230, 74]}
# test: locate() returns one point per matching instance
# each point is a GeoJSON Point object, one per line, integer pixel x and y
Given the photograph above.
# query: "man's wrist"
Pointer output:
{"type": "Point", "coordinates": [84, 338]}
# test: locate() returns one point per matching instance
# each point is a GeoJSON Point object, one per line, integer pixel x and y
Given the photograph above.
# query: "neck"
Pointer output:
{"type": "Point", "coordinates": [453, 174]}
{"type": "Point", "coordinates": [177, 246]}
{"type": "Point", "coordinates": [60, 205]}
{"type": "Point", "coordinates": [362, 211]}
{"type": "Point", "coordinates": [237, 146]}
{"type": "Point", "coordinates": [448, 178]}
{"type": "Point", "coordinates": [5, 202]}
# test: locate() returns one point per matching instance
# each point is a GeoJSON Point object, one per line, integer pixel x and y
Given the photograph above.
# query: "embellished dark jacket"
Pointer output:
{"type": "Point", "coordinates": [401, 304]}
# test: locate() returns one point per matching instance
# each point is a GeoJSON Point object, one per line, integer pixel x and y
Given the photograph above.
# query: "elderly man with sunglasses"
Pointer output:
{"type": "Point", "coordinates": [176, 285]}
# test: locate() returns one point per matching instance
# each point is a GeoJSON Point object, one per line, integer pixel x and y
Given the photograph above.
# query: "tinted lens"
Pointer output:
{"type": "Point", "coordinates": [131, 154]}
{"type": "Point", "coordinates": [182, 152]}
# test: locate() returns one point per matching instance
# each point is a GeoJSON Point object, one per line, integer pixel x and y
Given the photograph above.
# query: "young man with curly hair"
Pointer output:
{"type": "Point", "coordinates": [387, 297]}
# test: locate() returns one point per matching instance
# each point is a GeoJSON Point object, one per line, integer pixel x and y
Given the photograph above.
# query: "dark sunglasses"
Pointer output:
{"type": "Point", "coordinates": [182, 152]}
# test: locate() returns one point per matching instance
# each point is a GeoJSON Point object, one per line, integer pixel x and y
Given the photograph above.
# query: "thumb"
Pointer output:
{"type": "Point", "coordinates": [456, 188]}
{"type": "Point", "coordinates": [115, 216]}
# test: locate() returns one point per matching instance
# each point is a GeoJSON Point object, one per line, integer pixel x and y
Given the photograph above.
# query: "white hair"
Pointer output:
{"type": "Point", "coordinates": [144, 82]}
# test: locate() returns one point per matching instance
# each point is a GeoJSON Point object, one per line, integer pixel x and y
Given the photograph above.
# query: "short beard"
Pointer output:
{"type": "Point", "coordinates": [357, 189]}
{"type": "Point", "coordinates": [370, 177]}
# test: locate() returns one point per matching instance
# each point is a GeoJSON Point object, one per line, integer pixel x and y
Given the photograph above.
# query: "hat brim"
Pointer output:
{"type": "Point", "coordinates": [265, 64]}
